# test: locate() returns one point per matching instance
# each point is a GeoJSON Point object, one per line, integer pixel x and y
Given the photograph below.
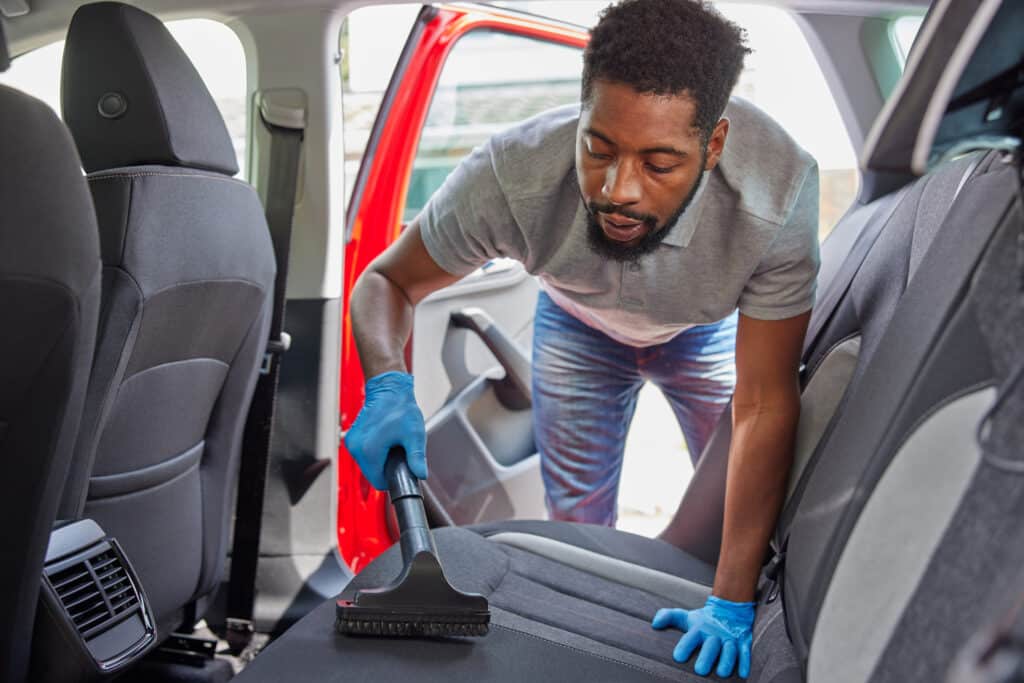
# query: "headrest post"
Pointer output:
{"type": "Point", "coordinates": [5, 56]}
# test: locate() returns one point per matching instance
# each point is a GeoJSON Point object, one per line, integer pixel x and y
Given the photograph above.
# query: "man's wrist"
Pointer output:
{"type": "Point", "coordinates": [733, 587]}
{"type": "Point", "coordinates": [391, 378]}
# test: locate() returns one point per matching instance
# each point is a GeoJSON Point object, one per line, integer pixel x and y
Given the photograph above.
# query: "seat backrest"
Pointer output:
{"type": "Point", "coordinates": [49, 301]}
{"type": "Point", "coordinates": [188, 270]}
{"type": "Point", "coordinates": [850, 323]}
{"type": "Point", "coordinates": [903, 454]}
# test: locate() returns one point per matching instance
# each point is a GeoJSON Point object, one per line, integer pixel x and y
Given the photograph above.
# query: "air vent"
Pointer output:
{"type": "Point", "coordinates": [95, 592]}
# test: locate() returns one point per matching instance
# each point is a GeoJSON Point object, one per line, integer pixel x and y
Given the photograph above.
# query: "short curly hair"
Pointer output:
{"type": "Point", "coordinates": [668, 47]}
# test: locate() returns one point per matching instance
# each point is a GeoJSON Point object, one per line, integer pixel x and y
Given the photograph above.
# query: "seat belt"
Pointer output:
{"type": "Point", "coordinates": [285, 125]}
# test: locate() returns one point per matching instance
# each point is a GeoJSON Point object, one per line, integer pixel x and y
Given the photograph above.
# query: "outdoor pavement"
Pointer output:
{"type": "Point", "coordinates": [656, 468]}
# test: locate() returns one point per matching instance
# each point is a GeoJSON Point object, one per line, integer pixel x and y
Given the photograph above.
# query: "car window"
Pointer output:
{"type": "Point", "coordinates": [903, 31]}
{"type": "Point", "coordinates": [490, 81]}
{"type": "Point", "coordinates": [781, 58]}
{"type": "Point", "coordinates": [485, 71]}
{"type": "Point", "coordinates": [370, 43]}
{"type": "Point", "coordinates": [214, 48]}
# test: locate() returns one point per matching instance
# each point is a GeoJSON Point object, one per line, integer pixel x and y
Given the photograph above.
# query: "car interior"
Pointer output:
{"type": "Point", "coordinates": [138, 278]}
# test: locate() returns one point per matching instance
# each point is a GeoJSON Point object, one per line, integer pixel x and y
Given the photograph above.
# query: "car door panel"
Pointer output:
{"type": "Point", "coordinates": [483, 463]}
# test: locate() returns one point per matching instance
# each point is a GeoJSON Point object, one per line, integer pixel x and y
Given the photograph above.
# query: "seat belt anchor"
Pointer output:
{"type": "Point", "coordinates": [773, 573]}
{"type": "Point", "coordinates": [275, 347]}
{"type": "Point", "coordinates": [238, 633]}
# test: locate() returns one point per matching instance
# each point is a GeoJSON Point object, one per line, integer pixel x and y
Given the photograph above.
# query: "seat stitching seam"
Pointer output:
{"type": "Point", "coordinates": [203, 281]}
{"type": "Point", "coordinates": [170, 175]}
{"type": "Point", "coordinates": [821, 359]}
{"type": "Point", "coordinates": [165, 364]}
{"type": "Point", "coordinates": [937, 407]}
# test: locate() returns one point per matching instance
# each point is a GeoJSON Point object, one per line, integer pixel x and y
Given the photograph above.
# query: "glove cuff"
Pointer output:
{"type": "Point", "coordinates": [389, 380]}
{"type": "Point", "coordinates": [740, 611]}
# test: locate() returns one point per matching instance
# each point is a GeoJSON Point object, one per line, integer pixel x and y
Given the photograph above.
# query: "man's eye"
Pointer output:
{"type": "Point", "coordinates": [598, 155]}
{"type": "Point", "coordinates": [661, 169]}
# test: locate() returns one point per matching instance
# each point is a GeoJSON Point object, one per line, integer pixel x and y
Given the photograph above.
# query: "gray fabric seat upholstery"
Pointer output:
{"type": "Point", "coordinates": [188, 270]}
{"type": "Point", "coordinates": [49, 302]}
{"type": "Point", "coordinates": [927, 389]}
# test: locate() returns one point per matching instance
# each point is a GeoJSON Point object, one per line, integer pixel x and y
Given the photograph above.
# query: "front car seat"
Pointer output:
{"type": "Point", "coordinates": [188, 272]}
{"type": "Point", "coordinates": [49, 301]}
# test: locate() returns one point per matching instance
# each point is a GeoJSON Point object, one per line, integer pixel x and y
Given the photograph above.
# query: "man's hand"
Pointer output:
{"type": "Point", "coordinates": [720, 627]}
{"type": "Point", "coordinates": [390, 417]}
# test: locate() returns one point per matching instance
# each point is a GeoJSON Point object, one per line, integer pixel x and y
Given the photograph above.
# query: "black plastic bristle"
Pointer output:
{"type": "Point", "coordinates": [414, 622]}
{"type": "Point", "coordinates": [409, 629]}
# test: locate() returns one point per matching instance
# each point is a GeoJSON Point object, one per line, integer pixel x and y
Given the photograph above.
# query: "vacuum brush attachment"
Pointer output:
{"type": "Point", "coordinates": [420, 601]}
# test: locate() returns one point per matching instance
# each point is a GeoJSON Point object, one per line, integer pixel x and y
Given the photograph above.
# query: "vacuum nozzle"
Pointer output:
{"type": "Point", "coordinates": [420, 601]}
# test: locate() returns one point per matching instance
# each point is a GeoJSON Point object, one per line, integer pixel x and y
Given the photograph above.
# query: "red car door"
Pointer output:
{"type": "Point", "coordinates": [381, 203]}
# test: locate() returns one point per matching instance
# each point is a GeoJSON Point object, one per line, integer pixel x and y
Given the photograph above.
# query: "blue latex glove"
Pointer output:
{"type": "Point", "coordinates": [390, 417]}
{"type": "Point", "coordinates": [720, 627]}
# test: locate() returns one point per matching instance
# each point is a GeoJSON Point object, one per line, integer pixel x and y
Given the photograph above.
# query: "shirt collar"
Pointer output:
{"type": "Point", "coordinates": [679, 235]}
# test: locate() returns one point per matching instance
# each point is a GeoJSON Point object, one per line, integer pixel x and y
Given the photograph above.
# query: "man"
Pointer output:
{"type": "Point", "coordinates": [647, 233]}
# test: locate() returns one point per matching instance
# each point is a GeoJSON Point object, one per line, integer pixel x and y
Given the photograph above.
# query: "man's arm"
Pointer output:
{"type": "Point", "coordinates": [381, 308]}
{"type": "Point", "coordinates": [382, 302]}
{"type": "Point", "coordinates": [766, 407]}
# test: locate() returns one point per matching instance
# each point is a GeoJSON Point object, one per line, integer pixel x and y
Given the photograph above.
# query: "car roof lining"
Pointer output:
{"type": "Point", "coordinates": [48, 20]}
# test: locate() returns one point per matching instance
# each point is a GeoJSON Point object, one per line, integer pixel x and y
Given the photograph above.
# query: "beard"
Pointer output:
{"type": "Point", "coordinates": [655, 234]}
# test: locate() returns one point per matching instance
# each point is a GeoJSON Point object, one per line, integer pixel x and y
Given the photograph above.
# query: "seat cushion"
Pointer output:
{"type": "Point", "coordinates": [608, 542]}
{"type": "Point", "coordinates": [549, 620]}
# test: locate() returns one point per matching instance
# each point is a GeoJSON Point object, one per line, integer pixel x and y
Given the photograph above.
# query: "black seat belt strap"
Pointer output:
{"type": "Point", "coordinates": [285, 151]}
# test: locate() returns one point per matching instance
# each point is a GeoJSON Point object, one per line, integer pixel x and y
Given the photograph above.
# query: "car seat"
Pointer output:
{"type": "Point", "coordinates": [49, 302]}
{"type": "Point", "coordinates": [188, 272]}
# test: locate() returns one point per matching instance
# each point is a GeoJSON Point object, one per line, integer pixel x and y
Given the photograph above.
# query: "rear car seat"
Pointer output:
{"type": "Point", "coordinates": [575, 601]}
{"type": "Point", "coordinates": [187, 278]}
{"type": "Point", "coordinates": [49, 302]}
{"type": "Point", "coordinates": [896, 484]}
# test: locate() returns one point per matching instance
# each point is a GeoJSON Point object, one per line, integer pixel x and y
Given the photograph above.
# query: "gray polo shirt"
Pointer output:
{"type": "Point", "coordinates": [748, 240]}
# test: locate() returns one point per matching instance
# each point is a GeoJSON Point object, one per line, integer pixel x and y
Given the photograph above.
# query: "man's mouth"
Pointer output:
{"type": "Point", "coordinates": [621, 229]}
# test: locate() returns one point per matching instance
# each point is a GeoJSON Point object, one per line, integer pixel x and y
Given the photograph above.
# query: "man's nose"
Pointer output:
{"type": "Point", "coordinates": [622, 185]}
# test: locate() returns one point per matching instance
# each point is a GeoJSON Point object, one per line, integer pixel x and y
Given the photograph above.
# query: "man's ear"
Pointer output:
{"type": "Point", "coordinates": [716, 143]}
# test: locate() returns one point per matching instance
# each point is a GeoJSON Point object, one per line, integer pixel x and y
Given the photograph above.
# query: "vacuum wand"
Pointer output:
{"type": "Point", "coordinates": [407, 500]}
{"type": "Point", "coordinates": [420, 601]}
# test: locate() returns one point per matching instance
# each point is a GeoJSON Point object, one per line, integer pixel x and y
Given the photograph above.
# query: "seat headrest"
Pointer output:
{"type": "Point", "coordinates": [131, 96]}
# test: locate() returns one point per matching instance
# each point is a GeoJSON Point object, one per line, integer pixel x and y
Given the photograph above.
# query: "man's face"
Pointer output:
{"type": "Point", "coordinates": [639, 160]}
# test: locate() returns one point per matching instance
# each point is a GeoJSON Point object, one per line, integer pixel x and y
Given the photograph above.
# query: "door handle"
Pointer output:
{"type": "Point", "coordinates": [513, 390]}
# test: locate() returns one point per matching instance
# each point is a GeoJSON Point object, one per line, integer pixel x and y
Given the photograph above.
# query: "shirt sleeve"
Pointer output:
{"type": "Point", "coordinates": [468, 221]}
{"type": "Point", "coordinates": [785, 281]}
